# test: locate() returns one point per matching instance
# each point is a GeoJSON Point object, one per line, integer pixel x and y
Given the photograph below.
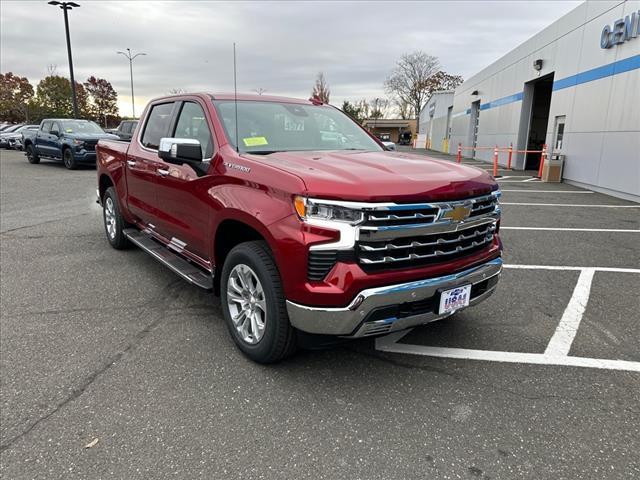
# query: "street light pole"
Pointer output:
{"type": "Point", "coordinates": [130, 57]}
{"type": "Point", "coordinates": [65, 6]}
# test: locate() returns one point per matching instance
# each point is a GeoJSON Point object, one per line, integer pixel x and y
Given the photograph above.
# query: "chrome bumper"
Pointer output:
{"type": "Point", "coordinates": [351, 321]}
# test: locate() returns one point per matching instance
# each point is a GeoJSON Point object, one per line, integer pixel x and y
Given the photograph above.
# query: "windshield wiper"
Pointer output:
{"type": "Point", "coordinates": [261, 152]}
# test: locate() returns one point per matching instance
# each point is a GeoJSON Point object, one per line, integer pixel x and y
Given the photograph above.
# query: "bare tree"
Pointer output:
{"type": "Point", "coordinates": [411, 79]}
{"type": "Point", "coordinates": [321, 88]}
{"type": "Point", "coordinates": [379, 107]}
{"type": "Point", "coordinates": [403, 108]}
{"type": "Point", "coordinates": [363, 106]}
{"type": "Point", "coordinates": [260, 90]}
{"type": "Point", "coordinates": [176, 91]}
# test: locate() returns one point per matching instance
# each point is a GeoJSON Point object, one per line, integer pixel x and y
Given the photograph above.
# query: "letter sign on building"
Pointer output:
{"type": "Point", "coordinates": [621, 31]}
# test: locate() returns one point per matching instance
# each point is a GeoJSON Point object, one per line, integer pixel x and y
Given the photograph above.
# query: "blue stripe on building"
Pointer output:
{"type": "Point", "coordinates": [621, 66]}
{"type": "Point", "coordinates": [608, 70]}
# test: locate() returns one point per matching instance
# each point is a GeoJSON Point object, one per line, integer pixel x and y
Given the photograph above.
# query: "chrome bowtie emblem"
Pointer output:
{"type": "Point", "coordinates": [458, 213]}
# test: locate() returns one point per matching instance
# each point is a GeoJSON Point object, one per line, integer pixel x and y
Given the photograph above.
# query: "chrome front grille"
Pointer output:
{"type": "Point", "coordinates": [405, 236]}
{"type": "Point", "coordinates": [425, 247]}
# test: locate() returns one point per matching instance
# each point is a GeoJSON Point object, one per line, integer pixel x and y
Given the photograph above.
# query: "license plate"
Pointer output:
{"type": "Point", "coordinates": [454, 299]}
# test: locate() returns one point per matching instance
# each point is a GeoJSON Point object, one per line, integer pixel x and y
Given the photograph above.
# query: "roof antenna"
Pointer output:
{"type": "Point", "coordinates": [235, 94]}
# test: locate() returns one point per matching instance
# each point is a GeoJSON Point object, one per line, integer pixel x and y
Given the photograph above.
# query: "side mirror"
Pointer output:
{"type": "Point", "coordinates": [180, 150]}
{"type": "Point", "coordinates": [55, 132]}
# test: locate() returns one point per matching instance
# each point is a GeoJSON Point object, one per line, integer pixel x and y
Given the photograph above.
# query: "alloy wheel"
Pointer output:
{"type": "Point", "coordinates": [110, 218]}
{"type": "Point", "coordinates": [247, 303]}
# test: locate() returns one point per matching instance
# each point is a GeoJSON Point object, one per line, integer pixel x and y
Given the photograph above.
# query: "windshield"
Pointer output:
{"type": "Point", "coordinates": [80, 126]}
{"type": "Point", "coordinates": [266, 127]}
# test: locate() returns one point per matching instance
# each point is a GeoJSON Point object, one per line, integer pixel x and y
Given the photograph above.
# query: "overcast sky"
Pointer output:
{"type": "Point", "coordinates": [281, 45]}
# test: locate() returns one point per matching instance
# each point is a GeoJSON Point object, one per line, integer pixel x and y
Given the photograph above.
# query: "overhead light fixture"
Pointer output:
{"type": "Point", "coordinates": [537, 64]}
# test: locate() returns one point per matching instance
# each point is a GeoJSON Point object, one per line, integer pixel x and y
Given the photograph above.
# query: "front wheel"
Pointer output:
{"type": "Point", "coordinates": [68, 159]}
{"type": "Point", "coordinates": [32, 156]}
{"type": "Point", "coordinates": [253, 304]}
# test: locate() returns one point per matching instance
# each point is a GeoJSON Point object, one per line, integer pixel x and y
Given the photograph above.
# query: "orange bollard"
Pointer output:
{"type": "Point", "coordinates": [495, 161]}
{"type": "Point", "coordinates": [459, 153]}
{"type": "Point", "coordinates": [543, 157]}
{"type": "Point", "coordinates": [510, 155]}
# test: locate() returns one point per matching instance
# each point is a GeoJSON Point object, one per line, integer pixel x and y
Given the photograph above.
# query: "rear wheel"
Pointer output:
{"type": "Point", "coordinates": [32, 156]}
{"type": "Point", "coordinates": [68, 159]}
{"type": "Point", "coordinates": [114, 223]}
{"type": "Point", "coordinates": [253, 304]}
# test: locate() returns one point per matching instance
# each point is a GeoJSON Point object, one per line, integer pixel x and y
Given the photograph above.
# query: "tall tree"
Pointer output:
{"type": "Point", "coordinates": [352, 110]}
{"type": "Point", "coordinates": [104, 99]}
{"type": "Point", "coordinates": [321, 88]}
{"type": "Point", "coordinates": [53, 97]}
{"type": "Point", "coordinates": [15, 93]}
{"type": "Point", "coordinates": [415, 77]}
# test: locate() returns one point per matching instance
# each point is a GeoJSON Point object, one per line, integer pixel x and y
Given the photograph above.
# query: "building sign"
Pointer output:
{"type": "Point", "coordinates": [622, 30]}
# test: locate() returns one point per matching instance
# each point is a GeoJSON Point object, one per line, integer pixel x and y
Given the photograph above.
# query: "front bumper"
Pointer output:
{"type": "Point", "coordinates": [380, 310]}
{"type": "Point", "coordinates": [85, 156]}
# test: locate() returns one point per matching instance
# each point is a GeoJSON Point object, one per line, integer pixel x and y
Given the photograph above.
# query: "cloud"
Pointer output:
{"type": "Point", "coordinates": [281, 45]}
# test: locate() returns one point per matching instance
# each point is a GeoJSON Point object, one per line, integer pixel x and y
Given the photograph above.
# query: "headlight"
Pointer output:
{"type": "Point", "coordinates": [308, 208]}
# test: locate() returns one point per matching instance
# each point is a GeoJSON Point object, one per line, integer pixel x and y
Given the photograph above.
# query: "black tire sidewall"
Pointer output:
{"type": "Point", "coordinates": [31, 154]}
{"type": "Point", "coordinates": [262, 351]}
{"type": "Point", "coordinates": [71, 164]}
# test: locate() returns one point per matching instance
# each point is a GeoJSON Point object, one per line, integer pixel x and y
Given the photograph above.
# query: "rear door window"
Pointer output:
{"type": "Point", "coordinates": [157, 125]}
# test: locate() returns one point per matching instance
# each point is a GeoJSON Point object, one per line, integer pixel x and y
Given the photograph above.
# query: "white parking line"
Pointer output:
{"type": "Point", "coordinates": [532, 179]}
{"type": "Point", "coordinates": [560, 343]}
{"type": "Point", "coordinates": [524, 190]}
{"type": "Point", "coordinates": [556, 352]}
{"type": "Point", "coordinates": [568, 205]}
{"type": "Point", "coordinates": [565, 229]}
{"type": "Point", "coordinates": [570, 267]}
{"type": "Point", "coordinates": [385, 344]}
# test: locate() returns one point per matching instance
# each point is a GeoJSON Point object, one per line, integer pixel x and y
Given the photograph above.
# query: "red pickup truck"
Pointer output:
{"type": "Point", "coordinates": [299, 219]}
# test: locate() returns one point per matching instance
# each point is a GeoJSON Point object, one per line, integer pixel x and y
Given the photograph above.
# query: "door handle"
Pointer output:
{"type": "Point", "coordinates": [162, 172]}
{"type": "Point", "coordinates": [131, 163]}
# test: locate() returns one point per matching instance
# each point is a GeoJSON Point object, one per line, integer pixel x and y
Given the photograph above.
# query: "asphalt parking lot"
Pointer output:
{"type": "Point", "coordinates": [108, 348]}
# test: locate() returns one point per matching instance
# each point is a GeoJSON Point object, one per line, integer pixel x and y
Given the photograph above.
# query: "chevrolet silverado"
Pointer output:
{"type": "Point", "coordinates": [299, 219]}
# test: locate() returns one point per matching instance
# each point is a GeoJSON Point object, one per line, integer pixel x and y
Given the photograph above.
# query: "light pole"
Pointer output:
{"type": "Point", "coordinates": [130, 57]}
{"type": "Point", "coordinates": [65, 6]}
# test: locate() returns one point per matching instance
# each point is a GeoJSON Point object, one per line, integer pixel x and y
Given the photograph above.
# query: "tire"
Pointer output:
{"type": "Point", "coordinates": [32, 156]}
{"type": "Point", "coordinates": [69, 161]}
{"type": "Point", "coordinates": [278, 338]}
{"type": "Point", "coordinates": [114, 223]}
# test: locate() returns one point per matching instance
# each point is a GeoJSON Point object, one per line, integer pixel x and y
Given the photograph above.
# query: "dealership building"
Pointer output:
{"type": "Point", "coordinates": [575, 87]}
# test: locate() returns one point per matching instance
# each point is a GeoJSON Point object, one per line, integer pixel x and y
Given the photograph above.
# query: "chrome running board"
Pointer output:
{"type": "Point", "coordinates": [162, 254]}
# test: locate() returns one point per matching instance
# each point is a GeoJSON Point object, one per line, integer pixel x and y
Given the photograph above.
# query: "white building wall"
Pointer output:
{"type": "Point", "coordinates": [435, 126]}
{"type": "Point", "coordinates": [602, 129]}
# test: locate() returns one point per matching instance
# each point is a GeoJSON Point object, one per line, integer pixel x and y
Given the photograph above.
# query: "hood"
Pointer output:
{"type": "Point", "coordinates": [380, 176]}
{"type": "Point", "coordinates": [90, 136]}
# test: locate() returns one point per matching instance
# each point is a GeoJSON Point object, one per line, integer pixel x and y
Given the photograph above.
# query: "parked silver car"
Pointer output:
{"type": "Point", "coordinates": [12, 138]}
